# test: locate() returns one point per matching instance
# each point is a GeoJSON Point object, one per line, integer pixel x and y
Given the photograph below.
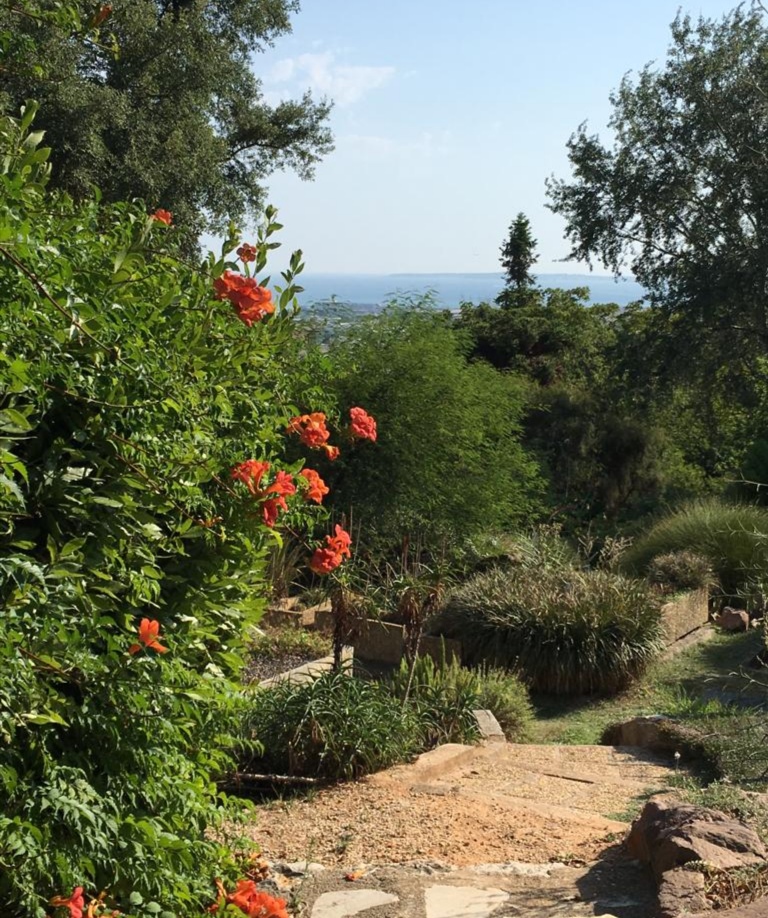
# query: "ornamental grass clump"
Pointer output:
{"type": "Point", "coordinates": [732, 537]}
{"type": "Point", "coordinates": [444, 696]}
{"type": "Point", "coordinates": [676, 571]}
{"type": "Point", "coordinates": [562, 630]}
{"type": "Point", "coordinates": [335, 727]}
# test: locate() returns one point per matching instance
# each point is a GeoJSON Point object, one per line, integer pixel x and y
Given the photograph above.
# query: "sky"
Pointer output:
{"type": "Point", "coordinates": [448, 117]}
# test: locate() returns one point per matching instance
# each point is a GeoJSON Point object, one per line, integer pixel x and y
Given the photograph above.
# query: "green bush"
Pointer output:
{"type": "Point", "coordinates": [732, 537]}
{"type": "Point", "coordinates": [563, 631]}
{"type": "Point", "coordinates": [680, 570]}
{"type": "Point", "coordinates": [507, 698]}
{"type": "Point", "coordinates": [334, 727]}
{"type": "Point", "coordinates": [128, 392]}
{"type": "Point", "coordinates": [442, 697]}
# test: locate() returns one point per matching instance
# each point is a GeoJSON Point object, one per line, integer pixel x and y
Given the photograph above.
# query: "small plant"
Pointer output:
{"type": "Point", "coordinates": [442, 697]}
{"type": "Point", "coordinates": [675, 571]}
{"type": "Point", "coordinates": [732, 537]}
{"type": "Point", "coordinates": [505, 696]}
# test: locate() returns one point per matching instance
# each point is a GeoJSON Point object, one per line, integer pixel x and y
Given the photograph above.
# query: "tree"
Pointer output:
{"type": "Point", "coordinates": [518, 255]}
{"type": "Point", "coordinates": [681, 199]}
{"type": "Point", "coordinates": [175, 116]}
{"type": "Point", "coordinates": [551, 336]}
{"type": "Point", "coordinates": [448, 459]}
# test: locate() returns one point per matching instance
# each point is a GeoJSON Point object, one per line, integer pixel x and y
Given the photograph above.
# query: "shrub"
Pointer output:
{"type": "Point", "coordinates": [679, 570]}
{"type": "Point", "coordinates": [732, 537]}
{"type": "Point", "coordinates": [506, 697]}
{"type": "Point", "coordinates": [128, 392]}
{"type": "Point", "coordinates": [561, 630]}
{"type": "Point", "coordinates": [449, 459]}
{"type": "Point", "coordinates": [333, 727]}
{"type": "Point", "coordinates": [442, 697]}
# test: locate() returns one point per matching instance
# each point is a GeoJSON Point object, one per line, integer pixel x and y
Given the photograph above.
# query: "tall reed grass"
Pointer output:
{"type": "Point", "coordinates": [732, 537]}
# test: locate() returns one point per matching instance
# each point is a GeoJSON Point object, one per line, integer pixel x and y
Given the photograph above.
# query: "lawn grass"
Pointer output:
{"type": "Point", "coordinates": [687, 683]}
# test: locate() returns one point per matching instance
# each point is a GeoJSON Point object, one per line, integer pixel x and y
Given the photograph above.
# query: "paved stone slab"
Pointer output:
{"type": "Point", "coordinates": [349, 902]}
{"type": "Point", "coordinates": [462, 901]}
{"type": "Point", "coordinates": [517, 869]}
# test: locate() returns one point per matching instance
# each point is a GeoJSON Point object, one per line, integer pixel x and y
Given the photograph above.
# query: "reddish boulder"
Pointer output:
{"type": "Point", "coordinates": [669, 834]}
{"type": "Point", "coordinates": [681, 892]}
{"type": "Point", "coordinates": [733, 619]}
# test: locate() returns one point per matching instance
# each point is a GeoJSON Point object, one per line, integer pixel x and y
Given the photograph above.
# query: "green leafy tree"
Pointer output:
{"type": "Point", "coordinates": [680, 198]}
{"type": "Point", "coordinates": [551, 336]}
{"type": "Point", "coordinates": [158, 101]}
{"type": "Point", "coordinates": [518, 256]}
{"type": "Point", "coordinates": [448, 458]}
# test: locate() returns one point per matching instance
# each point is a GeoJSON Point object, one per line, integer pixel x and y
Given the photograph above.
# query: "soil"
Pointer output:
{"type": "Point", "coordinates": [506, 803]}
{"type": "Point", "coordinates": [261, 667]}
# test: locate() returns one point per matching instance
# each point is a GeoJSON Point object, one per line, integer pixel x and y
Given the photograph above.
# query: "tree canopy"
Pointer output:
{"type": "Point", "coordinates": [160, 102]}
{"type": "Point", "coordinates": [448, 458]}
{"type": "Point", "coordinates": [681, 198]}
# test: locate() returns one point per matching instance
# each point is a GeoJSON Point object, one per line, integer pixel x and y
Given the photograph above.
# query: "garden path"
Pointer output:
{"type": "Point", "coordinates": [470, 832]}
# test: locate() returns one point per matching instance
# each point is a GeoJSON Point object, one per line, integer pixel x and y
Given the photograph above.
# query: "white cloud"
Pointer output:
{"type": "Point", "coordinates": [342, 83]}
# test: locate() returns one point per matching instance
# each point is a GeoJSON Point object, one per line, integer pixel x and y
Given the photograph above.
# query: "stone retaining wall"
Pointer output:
{"type": "Point", "coordinates": [685, 614]}
{"type": "Point", "coordinates": [384, 642]}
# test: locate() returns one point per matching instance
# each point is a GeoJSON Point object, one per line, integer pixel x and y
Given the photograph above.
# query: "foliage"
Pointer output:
{"type": "Point", "coordinates": [732, 537]}
{"type": "Point", "coordinates": [448, 460]}
{"type": "Point", "coordinates": [518, 256]}
{"type": "Point", "coordinates": [334, 727]}
{"type": "Point", "coordinates": [564, 631]}
{"type": "Point", "coordinates": [551, 336]}
{"type": "Point", "coordinates": [442, 697]}
{"type": "Point", "coordinates": [506, 697]}
{"type": "Point", "coordinates": [159, 101]}
{"type": "Point", "coordinates": [680, 570]}
{"type": "Point", "coordinates": [680, 197]}
{"type": "Point", "coordinates": [127, 394]}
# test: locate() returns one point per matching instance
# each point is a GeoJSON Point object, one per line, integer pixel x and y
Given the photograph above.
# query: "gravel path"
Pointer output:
{"type": "Point", "coordinates": [482, 805]}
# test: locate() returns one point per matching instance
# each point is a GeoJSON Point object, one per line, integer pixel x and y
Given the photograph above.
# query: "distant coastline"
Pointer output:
{"type": "Point", "coordinates": [369, 292]}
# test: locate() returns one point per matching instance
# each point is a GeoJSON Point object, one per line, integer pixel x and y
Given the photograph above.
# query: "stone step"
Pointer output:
{"type": "Point", "coordinates": [535, 891]}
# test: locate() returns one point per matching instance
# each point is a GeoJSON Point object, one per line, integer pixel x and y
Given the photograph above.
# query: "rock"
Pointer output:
{"type": "Point", "coordinates": [758, 909]}
{"type": "Point", "coordinates": [489, 727]}
{"type": "Point", "coordinates": [462, 901]}
{"type": "Point", "coordinates": [654, 732]}
{"type": "Point", "coordinates": [669, 834]}
{"type": "Point", "coordinates": [681, 891]}
{"type": "Point", "coordinates": [733, 619]}
{"type": "Point", "coordinates": [517, 869]}
{"type": "Point", "coordinates": [350, 902]}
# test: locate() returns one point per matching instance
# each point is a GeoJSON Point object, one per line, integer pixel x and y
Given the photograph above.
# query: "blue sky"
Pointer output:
{"type": "Point", "coordinates": [449, 115]}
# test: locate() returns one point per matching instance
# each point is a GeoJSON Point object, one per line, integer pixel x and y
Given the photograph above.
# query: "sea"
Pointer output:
{"type": "Point", "coordinates": [366, 293]}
